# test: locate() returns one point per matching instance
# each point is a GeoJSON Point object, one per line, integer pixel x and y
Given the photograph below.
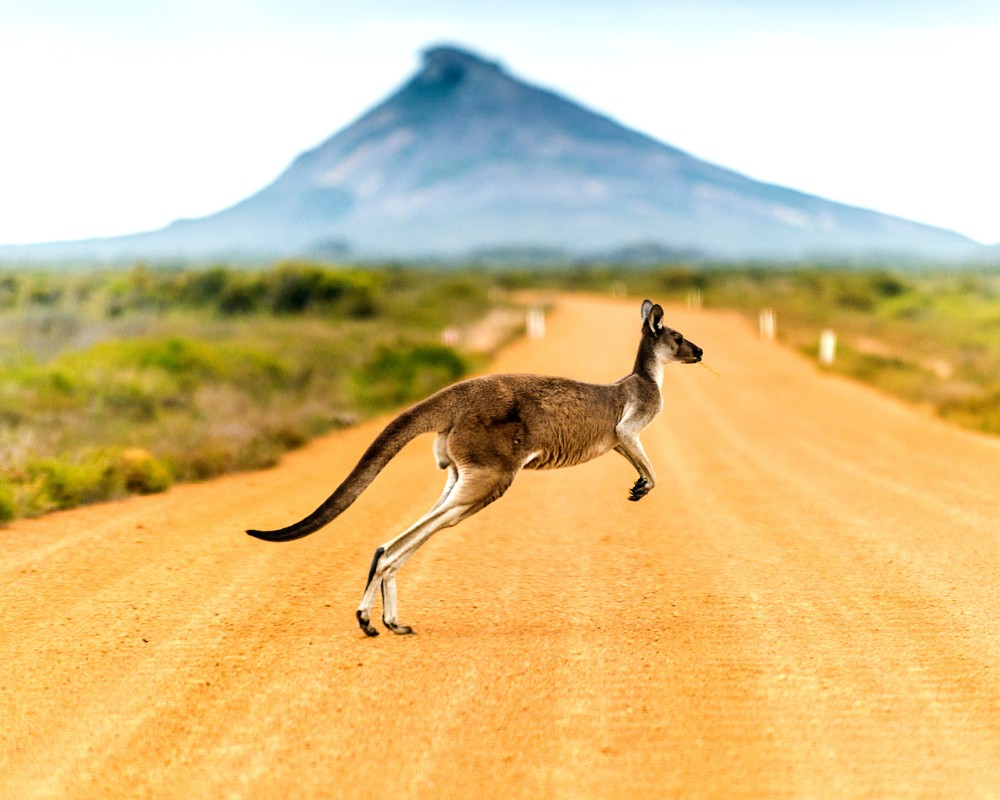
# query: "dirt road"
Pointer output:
{"type": "Point", "coordinates": [806, 606]}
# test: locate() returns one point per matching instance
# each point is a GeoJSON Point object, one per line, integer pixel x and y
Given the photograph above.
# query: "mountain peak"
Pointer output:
{"type": "Point", "coordinates": [465, 157]}
{"type": "Point", "coordinates": [447, 64]}
{"type": "Point", "coordinates": [451, 56]}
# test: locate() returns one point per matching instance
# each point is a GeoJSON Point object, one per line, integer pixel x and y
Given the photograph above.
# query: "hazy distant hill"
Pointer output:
{"type": "Point", "coordinates": [465, 158]}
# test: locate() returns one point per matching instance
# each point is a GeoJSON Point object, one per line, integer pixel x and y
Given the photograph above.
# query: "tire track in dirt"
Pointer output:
{"type": "Point", "coordinates": [804, 606]}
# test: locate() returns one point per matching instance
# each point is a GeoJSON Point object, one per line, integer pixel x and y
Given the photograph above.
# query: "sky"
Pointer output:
{"type": "Point", "coordinates": [119, 116]}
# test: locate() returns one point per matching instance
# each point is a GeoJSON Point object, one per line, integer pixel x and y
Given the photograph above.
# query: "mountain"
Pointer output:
{"type": "Point", "coordinates": [464, 158]}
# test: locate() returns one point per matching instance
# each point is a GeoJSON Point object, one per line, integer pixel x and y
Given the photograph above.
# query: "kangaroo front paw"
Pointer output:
{"type": "Point", "coordinates": [366, 624]}
{"type": "Point", "coordinates": [639, 490]}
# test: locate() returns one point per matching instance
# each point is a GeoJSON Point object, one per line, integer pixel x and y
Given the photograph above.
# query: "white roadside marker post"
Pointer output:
{"type": "Point", "coordinates": [536, 324]}
{"type": "Point", "coordinates": [827, 347]}
{"type": "Point", "coordinates": [768, 324]}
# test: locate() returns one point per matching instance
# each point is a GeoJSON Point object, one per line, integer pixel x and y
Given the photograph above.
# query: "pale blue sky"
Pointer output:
{"type": "Point", "coordinates": [121, 116]}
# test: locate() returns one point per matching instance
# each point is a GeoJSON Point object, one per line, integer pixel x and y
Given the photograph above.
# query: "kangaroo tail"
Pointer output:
{"type": "Point", "coordinates": [422, 418]}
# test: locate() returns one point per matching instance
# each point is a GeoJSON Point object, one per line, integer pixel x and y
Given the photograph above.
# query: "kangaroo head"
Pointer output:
{"type": "Point", "coordinates": [668, 344]}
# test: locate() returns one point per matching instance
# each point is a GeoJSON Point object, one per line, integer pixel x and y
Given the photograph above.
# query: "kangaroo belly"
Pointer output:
{"type": "Point", "coordinates": [569, 434]}
{"type": "Point", "coordinates": [566, 456]}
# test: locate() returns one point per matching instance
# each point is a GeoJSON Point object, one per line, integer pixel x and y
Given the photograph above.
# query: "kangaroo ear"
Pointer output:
{"type": "Point", "coordinates": [655, 320]}
{"type": "Point", "coordinates": [647, 306]}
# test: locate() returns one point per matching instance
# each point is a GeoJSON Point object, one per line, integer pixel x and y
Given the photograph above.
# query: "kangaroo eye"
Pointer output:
{"type": "Point", "coordinates": [678, 337]}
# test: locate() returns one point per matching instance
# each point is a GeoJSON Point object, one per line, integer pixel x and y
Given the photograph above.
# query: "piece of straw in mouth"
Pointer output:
{"type": "Point", "coordinates": [716, 374]}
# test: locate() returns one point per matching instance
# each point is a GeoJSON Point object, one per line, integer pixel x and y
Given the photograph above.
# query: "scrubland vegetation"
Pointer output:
{"type": "Point", "coordinates": [933, 339]}
{"type": "Point", "coordinates": [124, 382]}
{"type": "Point", "coordinates": [117, 383]}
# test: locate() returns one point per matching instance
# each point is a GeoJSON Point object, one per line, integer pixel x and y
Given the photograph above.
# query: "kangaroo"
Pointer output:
{"type": "Point", "coordinates": [489, 429]}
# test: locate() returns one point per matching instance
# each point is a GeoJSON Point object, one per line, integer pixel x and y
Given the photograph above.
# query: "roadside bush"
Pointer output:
{"type": "Point", "coordinates": [128, 401]}
{"type": "Point", "coordinates": [980, 412]}
{"type": "Point", "coordinates": [8, 503]}
{"type": "Point", "coordinates": [186, 362]}
{"type": "Point", "coordinates": [299, 287]}
{"type": "Point", "coordinates": [241, 296]}
{"type": "Point", "coordinates": [60, 483]}
{"type": "Point", "coordinates": [676, 279]}
{"type": "Point", "coordinates": [9, 288]}
{"type": "Point", "coordinates": [205, 286]}
{"type": "Point", "coordinates": [406, 373]}
{"type": "Point", "coordinates": [141, 473]}
{"type": "Point", "coordinates": [887, 285]}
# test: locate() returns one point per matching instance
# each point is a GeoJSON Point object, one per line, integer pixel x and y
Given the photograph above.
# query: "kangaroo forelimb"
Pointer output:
{"type": "Point", "coordinates": [639, 490]}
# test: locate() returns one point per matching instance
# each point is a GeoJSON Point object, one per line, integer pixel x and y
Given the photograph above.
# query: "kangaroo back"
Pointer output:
{"type": "Point", "coordinates": [429, 415]}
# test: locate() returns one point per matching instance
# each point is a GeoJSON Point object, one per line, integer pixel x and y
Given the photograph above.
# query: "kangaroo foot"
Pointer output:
{"type": "Point", "coordinates": [395, 627]}
{"type": "Point", "coordinates": [366, 624]}
{"type": "Point", "coordinates": [639, 490]}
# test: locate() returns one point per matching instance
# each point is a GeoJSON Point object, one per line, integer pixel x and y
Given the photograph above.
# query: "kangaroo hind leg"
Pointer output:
{"type": "Point", "coordinates": [472, 491]}
{"type": "Point", "coordinates": [449, 485]}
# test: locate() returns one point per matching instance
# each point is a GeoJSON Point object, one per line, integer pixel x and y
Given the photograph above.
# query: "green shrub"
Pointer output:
{"type": "Point", "coordinates": [61, 483]}
{"type": "Point", "coordinates": [299, 287]}
{"type": "Point", "coordinates": [185, 362]}
{"type": "Point", "coordinates": [241, 296]}
{"type": "Point", "coordinates": [398, 375]}
{"type": "Point", "coordinates": [180, 357]}
{"type": "Point", "coordinates": [8, 502]}
{"type": "Point", "coordinates": [887, 285]}
{"type": "Point", "coordinates": [203, 287]}
{"type": "Point", "coordinates": [674, 279]}
{"type": "Point", "coordinates": [129, 401]}
{"type": "Point", "coordinates": [980, 412]}
{"type": "Point", "coordinates": [9, 288]}
{"type": "Point", "coordinates": [141, 473]}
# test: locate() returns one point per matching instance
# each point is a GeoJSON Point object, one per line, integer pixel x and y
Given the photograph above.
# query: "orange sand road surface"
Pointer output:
{"type": "Point", "coordinates": [806, 606]}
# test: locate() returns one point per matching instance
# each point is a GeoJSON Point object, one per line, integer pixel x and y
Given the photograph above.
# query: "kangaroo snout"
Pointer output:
{"type": "Point", "coordinates": [687, 352]}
